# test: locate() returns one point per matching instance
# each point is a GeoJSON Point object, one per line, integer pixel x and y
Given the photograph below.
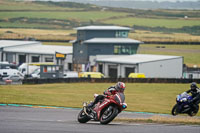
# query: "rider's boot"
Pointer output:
{"type": "Point", "coordinates": [90, 105]}
{"type": "Point", "coordinates": [195, 106]}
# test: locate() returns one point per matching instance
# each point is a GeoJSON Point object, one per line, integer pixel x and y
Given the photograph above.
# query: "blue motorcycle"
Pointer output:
{"type": "Point", "coordinates": [182, 106]}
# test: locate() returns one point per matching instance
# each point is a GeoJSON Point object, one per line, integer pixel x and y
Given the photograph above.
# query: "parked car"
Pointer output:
{"type": "Point", "coordinates": [91, 75]}
{"type": "Point", "coordinates": [136, 75]}
{"type": "Point", "coordinates": [36, 74]}
{"type": "Point", "coordinates": [8, 72]}
{"type": "Point", "coordinates": [14, 78]}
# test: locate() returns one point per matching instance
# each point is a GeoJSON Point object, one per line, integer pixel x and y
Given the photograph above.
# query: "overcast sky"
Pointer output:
{"type": "Point", "coordinates": [125, 0]}
{"type": "Point", "coordinates": [113, 0]}
{"type": "Point", "coordinates": [157, 0]}
{"type": "Point", "coordinates": [170, 0]}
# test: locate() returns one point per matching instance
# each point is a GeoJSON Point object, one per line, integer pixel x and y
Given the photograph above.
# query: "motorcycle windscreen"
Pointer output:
{"type": "Point", "coordinates": [120, 98]}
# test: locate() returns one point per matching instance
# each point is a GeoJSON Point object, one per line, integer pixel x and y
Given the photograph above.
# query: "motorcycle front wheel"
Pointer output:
{"type": "Point", "coordinates": [175, 110]}
{"type": "Point", "coordinates": [108, 114]}
{"type": "Point", "coordinates": [82, 117]}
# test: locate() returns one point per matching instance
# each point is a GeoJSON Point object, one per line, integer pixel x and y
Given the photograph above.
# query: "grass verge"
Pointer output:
{"type": "Point", "coordinates": [162, 120]}
{"type": "Point", "coordinates": [156, 98]}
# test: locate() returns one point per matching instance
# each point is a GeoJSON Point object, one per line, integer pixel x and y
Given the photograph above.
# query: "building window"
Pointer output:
{"type": "Point", "coordinates": [50, 69]}
{"type": "Point", "coordinates": [9, 57]}
{"type": "Point", "coordinates": [80, 51]}
{"type": "Point", "coordinates": [35, 59]}
{"type": "Point", "coordinates": [123, 34]}
{"type": "Point", "coordinates": [22, 59]}
{"type": "Point", "coordinates": [70, 66]}
{"type": "Point", "coordinates": [118, 49]}
{"type": "Point", "coordinates": [49, 59]}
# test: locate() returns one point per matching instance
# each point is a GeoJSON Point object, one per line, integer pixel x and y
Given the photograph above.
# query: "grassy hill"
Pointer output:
{"type": "Point", "coordinates": [66, 15]}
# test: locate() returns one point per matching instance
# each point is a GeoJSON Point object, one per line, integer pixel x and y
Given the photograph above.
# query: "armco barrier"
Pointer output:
{"type": "Point", "coordinates": [109, 80]}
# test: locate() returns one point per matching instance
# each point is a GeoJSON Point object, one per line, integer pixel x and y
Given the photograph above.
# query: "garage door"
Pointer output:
{"type": "Point", "coordinates": [112, 71]}
{"type": "Point", "coordinates": [129, 70]}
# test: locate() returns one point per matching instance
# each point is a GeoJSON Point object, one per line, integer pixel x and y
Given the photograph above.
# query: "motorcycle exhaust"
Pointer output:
{"type": "Point", "coordinates": [84, 108]}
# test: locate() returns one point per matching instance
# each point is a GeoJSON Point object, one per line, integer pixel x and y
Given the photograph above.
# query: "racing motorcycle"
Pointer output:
{"type": "Point", "coordinates": [104, 111]}
{"type": "Point", "coordinates": [182, 106]}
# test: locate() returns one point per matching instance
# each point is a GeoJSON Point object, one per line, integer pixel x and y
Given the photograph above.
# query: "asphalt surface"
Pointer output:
{"type": "Point", "coordinates": [47, 120]}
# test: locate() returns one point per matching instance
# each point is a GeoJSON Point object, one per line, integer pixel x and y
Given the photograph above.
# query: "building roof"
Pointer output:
{"type": "Point", "coordinates": [33, 47]}
{"type": "Point", "coordinates": [40, 49]}
{"type": "Point", "coordinates": [103, 28]}
{"type": "Point", "coordinates": [133, 59]}
{"type": "Point", "coordinates": [12, 43]}
{"type": "Point", "coordinates": [112, 40]}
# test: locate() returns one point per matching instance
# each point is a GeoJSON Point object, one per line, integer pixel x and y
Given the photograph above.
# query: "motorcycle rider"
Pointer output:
{"type": "Point", "coordinates": [119, 87]}
{"type": "Point", "coordinates": [195, 91]}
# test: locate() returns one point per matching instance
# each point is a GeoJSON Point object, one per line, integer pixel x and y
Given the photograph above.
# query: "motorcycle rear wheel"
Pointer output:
{"type": "Point", "coordinates": [82, 117]}
{"type": "Point", "coordinates": [194, 112]}
{"type": "Point", "coordinates": [174, 110]}
{"type": "Point", "coordinates": [108, 115]}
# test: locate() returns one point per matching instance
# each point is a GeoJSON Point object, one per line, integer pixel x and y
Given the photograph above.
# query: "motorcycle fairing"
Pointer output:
{"type": "Point", "coordinates": [101, 106]}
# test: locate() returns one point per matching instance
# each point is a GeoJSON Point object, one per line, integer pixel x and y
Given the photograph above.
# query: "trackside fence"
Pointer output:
{"type": "Point", "coordinates": [109, 80]}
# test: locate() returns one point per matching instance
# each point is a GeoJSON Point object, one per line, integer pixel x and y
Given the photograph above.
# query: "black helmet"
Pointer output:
{"type": "Point", "coordinates": [193, 86]}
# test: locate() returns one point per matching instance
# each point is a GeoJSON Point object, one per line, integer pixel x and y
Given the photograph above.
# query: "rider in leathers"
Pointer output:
{"type": "Point", "coordinates": [119, 87]}
{"type": "Point", "coordinates": [195, 91]}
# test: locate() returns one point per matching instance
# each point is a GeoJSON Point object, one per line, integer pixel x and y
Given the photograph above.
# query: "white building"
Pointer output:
{"type": "Point", "coordinates": [19, 52]}
{"type": "Point", "coordinates": [153, 66]}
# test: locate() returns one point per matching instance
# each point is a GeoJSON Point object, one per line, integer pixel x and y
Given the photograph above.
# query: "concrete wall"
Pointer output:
{"type": "Point", "coordinates": [171, 68]}
{"type": "Point", "coordinates": [80, 53]}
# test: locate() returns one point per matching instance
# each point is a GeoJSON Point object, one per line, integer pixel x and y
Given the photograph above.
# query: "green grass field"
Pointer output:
{"type": "Point", "coordinates": [191, 53]}
{"type": "Point", "coordinates": [52, 15]}
{"type": "Point", "coordinates": [78, 15]}
{"type": "Point", "coordinates": [157, 98]}
{"type": "Point", "coordinates": [104, 17]}
{"type": "Point", "coordinates": [17, 5]}
{"type": "Point", "coordinates": [150, 22]}
{"type": "Point", "coordinates": [26, 25]}
{"type": "Point", "coordinates": [150, 36]}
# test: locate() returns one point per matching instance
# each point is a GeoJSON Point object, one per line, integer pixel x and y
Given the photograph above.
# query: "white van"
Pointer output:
{"type": "Point", "coordinates": [70, 74]}
{"type": "Point", "coordinates": [27, 68]}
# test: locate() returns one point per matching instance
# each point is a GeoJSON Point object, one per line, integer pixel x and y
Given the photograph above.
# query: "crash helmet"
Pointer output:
{"type": "Point", "coordinates": [120, 86]}
{"type": "Point", "coordinates": [193, 86]}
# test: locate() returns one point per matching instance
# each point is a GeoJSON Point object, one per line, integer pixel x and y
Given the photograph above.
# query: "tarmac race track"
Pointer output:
{"type": "Point", "coordinates": [47, 120]}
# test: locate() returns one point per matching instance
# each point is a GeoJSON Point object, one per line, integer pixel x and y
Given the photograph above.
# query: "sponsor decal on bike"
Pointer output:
{"type": "Point", "coordinates": [104, 103]}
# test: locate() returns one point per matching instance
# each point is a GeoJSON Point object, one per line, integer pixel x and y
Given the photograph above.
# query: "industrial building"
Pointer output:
{"type": "Point", "coordinates": [18, 52]}
{"type": "Point", "coordinates": [101, 40]}
{"type": "Point", "coordinates": [159, 66]}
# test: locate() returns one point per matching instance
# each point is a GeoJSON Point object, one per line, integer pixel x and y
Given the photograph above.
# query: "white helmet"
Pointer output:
{"type": "Point", "coordinates": [120, 86]}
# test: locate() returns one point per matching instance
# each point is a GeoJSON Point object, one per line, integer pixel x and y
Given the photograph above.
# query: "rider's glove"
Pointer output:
{"type": "Point", "coordinates": [105, 92]}
{"type": "Point", "coordinates": [190, 101]}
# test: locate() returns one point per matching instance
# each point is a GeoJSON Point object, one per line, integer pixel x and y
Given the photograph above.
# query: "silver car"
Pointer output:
{"type": "Point", "coordinates": [14, 78]}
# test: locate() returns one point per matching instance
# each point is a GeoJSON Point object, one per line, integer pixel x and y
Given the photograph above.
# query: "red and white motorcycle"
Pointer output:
{"type": "Point", "coordinates": [105, 110]}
